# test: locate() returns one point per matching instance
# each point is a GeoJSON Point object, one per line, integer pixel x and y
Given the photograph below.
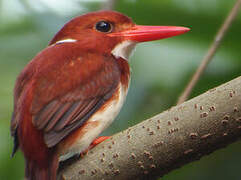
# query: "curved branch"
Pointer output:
{"type": "Point", "coordinates": [169, 140]}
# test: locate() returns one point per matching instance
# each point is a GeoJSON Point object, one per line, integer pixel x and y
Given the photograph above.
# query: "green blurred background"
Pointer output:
{"type": "Point", "coordinates": [160, 69]}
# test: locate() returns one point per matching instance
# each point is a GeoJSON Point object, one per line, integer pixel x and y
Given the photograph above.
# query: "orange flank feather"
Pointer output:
{"type": "Point", "coordinates": [41, 162]}
{"type": "Point", "coordinates": [125, 72]}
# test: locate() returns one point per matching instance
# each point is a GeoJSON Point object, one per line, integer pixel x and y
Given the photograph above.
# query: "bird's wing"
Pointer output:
{"type": "Point", "coordinates": [68, 88]}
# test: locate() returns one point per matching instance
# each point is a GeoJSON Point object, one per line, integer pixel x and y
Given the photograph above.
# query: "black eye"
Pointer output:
{"type": "Point", "coordinates": [103, 26]}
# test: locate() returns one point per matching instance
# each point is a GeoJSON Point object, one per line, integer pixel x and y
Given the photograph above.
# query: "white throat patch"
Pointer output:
{"type": "Point", "coordinates": [123, 49]}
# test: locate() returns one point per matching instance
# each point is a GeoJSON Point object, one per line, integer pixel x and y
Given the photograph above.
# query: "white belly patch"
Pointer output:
{"type": "Point", "coordinates": [104, 118]}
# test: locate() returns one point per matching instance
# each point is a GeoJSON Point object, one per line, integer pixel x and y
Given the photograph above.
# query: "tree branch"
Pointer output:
{"type": "Point", "coordinates": [169, 140]}
{"type": "Point", "coordinates": [211, 52]}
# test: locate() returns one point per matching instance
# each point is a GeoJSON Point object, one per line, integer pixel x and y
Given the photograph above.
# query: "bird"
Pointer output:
{"type": "Point", "coordinates": [73, 89]}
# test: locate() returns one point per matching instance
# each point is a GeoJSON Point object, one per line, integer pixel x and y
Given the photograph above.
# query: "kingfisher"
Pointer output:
{"type": "Point", "coordinates": [73, 89]}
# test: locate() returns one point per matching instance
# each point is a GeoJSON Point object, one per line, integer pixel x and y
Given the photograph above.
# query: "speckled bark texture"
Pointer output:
{"type": "Point", "coordinates": [169, 140]}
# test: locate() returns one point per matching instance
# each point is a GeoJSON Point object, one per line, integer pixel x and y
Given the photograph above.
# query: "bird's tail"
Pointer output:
{"type": "Point", "coordinates": [47, 172]}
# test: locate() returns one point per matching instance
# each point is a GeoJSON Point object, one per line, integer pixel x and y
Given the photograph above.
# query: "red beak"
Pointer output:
{"type": "Point", "coordinates": [149, 33]}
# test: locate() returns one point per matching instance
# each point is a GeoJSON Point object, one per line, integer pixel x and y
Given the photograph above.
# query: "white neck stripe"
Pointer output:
{"type": "Point", "coordinates": [66, 41]}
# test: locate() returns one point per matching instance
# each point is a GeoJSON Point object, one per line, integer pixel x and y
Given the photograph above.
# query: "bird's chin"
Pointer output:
{"type": "Point", "coordinates": [124, 49]}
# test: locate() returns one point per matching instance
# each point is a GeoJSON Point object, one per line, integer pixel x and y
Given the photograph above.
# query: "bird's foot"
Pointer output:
{"type": "Point", "coordinates": [93, 144]}
{"type": "Point", "coordinates": [98, 141]}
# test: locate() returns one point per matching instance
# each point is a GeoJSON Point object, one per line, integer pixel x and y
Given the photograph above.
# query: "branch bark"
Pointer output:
{"type": "Point", "coordinates": [167, 141]}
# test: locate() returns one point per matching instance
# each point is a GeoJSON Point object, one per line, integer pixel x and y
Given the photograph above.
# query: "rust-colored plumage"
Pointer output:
{"type": "Point", "coordinates": [72, 90]}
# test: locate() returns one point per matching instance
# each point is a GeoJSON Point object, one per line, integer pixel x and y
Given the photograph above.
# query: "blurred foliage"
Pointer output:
{"type": "Point", "coordinates": [160, 70]}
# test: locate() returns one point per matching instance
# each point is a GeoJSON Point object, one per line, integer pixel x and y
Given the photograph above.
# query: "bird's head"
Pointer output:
{"type": "Point", "coordinates": [111, 32]}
